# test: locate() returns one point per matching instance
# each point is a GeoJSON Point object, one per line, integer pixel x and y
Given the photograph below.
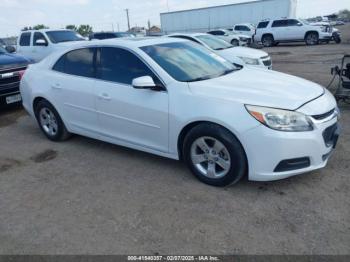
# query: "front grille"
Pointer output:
{"type": "Point", "coordinates": [324, 116]}
{"type": "Point", "coordinates": [267, 62]}
{"type": "Point", "coordinates": [10, 84]}
{"type": "Point", "coordinates": [329, 135]}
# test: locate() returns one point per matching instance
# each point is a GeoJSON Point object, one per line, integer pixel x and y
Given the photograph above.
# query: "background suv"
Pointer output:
{"type": "Point", "coordinates": [270, 33]}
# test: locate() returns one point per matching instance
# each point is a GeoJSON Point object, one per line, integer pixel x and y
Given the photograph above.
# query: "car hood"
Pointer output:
{"type": "Point", "coordinates": [240, 51]}
{"type": "Point", "coordinates": [260, 87]}
{"type": "Point", "coordinates": [12, 60]}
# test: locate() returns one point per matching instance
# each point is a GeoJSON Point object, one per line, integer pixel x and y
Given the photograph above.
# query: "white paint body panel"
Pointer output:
{"type": "Point", "coordinates": [152, 121]}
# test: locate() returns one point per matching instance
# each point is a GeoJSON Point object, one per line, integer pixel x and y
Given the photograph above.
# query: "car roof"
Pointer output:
{"type": "Point", "coordinates": [134, 42]}
{"type": "Point", "coordinates": [45, 30]}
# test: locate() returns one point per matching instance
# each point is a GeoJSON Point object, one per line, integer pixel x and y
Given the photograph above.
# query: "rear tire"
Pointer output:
{"type": "Point", "coordinates": [268, 40]}
{"type": "Point", "coordinates": [312, 39]}
{"type": "Point", "coordinates": [50, 122]}
{"type": "Point", "coordinates": [214, 155]}
{"type": "Point", "coordinates": [235, 42]}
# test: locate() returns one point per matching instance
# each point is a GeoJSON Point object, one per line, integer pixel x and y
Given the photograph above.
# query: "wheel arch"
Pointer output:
{"type": "Point", "coordinates": [311, 31]}
{"type": "Point", "coordinates": [189, 126]}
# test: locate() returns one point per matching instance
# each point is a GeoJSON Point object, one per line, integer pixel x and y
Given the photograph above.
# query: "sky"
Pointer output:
{"type": "Point", "coordinates": [110, 14]}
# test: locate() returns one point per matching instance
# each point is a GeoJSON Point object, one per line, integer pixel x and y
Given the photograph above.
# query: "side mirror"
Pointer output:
{"type": "Point", "coordinates": [10, 49]}
{"type": "Point", "coordinates": [144, 82]}
{"type": "Point", "coordinates": [41, 42]}
{"type": "Point", "coordinates": [299, 24]}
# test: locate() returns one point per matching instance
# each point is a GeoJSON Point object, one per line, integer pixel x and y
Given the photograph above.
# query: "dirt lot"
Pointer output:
{"type": "Point", "coordinates": [88, 197]}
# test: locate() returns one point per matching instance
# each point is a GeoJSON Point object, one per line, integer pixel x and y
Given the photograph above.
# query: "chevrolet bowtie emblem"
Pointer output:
{"type": "Point", "coordinates": [6, 75]}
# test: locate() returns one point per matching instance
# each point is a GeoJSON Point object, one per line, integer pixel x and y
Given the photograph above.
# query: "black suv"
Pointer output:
{"type": "Point", "coordinates": [109, 35]}
{"type": "Point", "coordinates": [12, 67]}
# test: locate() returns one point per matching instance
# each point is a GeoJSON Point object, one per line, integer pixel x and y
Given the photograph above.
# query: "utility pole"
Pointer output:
{"type": "Point", "coordinates": [127, 16]}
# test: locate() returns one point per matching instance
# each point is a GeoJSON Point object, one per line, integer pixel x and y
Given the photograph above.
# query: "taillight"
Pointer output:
{"type": "Point", "coordinates": [21, 74]}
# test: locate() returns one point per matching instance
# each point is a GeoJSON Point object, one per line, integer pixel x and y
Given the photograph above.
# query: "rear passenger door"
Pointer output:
{"type": "Point", "coordinates": [125, 114]}
{"type": "Point", "coordinates": [279, 29]}
{"type": "Point", "coordinates": [72, 90]}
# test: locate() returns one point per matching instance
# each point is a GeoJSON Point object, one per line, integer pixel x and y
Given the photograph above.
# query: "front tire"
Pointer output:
{"type": "Point", "coordinates": [312, 39]}
{"type": "Point", "coordinates": [268, 40]}
{"type": "Point", "coordinates": [50, 122]}
{"type": "Point", "coordinates": [235, 42]}
{"type": "Point", "coordinates": [214, 155]}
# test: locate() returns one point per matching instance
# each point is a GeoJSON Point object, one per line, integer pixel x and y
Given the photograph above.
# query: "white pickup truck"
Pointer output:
{"type": "Point", "coordinates": [38, 44]}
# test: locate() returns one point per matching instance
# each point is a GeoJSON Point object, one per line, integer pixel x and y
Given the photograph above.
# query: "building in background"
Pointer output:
{"type": "Point", "coordinates": [225, 16]}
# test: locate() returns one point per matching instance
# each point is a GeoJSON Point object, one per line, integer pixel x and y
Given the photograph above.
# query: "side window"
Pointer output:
{"type": "Point", "coordinates": [245, 28]}
{"type": "Point", "coordinates": [263, 24]}
{"type": "Point", "coordinates": [38, 36]}
{"type": "Point", "coordinates": [280, 23]}
{"type": "Point", "coordinates": [121, 66]}
{"type": "Point", "coordinates": [237, 28]}
{"type": "Point", "coordinates": [25, 39]}
{"type": "Point", "coordinates": [78, 62]}
{"type": "Point", "coordinates": [293, 22]}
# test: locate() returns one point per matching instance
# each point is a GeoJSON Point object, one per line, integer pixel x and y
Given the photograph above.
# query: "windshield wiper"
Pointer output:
{"type": "Point", "coordinates": [200, 79]}
{"type": "Point", "coordinates": [226, 72]}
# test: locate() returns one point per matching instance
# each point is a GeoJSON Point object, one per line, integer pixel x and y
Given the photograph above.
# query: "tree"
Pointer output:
{"type": "Point", "coordinates": [72, 27]}
{"type": "Point", "coordinates": [344, 14]}
{"type": "Point", "coordinates": [85, 30]}
{"type": "Point", "coordinates": [39, 27]}
{"type": "Point", "coordinates": [36, 27]}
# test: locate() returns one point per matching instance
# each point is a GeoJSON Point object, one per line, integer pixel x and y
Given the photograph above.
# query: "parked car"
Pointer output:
{"type": "Point", "coordinates": [109, 35]}
{"type": "Point", "coordinates": [38, 44]}
{"type": "Point", "coordinates": [272, 32]}
{"type": "Point", "coordinates": [237, 55]}
{"type": "Point", "coordinates": [336, 35]}
{"type": "Point", "coordinates": [12, 67]}
{"type": "Point", "coordinates": [232, 38]}
{"type": "Point", "coordinates": [177, 99]}
{"type": "Point", "coordinates": [244, 29]}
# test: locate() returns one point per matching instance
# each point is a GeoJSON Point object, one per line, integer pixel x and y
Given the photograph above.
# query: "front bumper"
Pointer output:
{"type": "Point", "coordinates": [325, 36]}
{"type": "Point", "coordinates": [266, 149]}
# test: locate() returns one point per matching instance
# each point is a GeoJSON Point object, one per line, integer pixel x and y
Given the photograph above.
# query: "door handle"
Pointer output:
{"type": "Point", "coordinates": [105, 97]}
{"type": "Point", "coordinates": [56, 86]}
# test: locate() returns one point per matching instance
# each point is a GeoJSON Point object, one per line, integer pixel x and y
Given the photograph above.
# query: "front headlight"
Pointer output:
{"type": "Point", "coordinates": [282, 120]}
{"type": "Point", "coordinates": [250, 61]}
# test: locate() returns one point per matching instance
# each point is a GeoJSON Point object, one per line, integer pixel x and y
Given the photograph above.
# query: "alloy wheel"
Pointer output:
{"type": "Point", "coordinates": [48, 121]}
{"type": "Point", "coordinates": [210, 157]}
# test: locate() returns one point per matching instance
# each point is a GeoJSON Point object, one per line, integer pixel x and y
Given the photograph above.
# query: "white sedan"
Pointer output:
{"type": "Point", "coordinates": [237, 55]}
{"type": "Point", "coordinates": [179, 100]}
{"type": "Point", "coordinates": [231, 37]}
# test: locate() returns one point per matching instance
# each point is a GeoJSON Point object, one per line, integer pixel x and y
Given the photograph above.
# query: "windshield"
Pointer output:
{"type": "Point", "coordinates": [64, 36]}
{"type": "Point", "coordinates": [304, 21]}
{"type": "Point", "coordinates": [214, 42]}
{"type": "Point", "coordinates": [188, 62]}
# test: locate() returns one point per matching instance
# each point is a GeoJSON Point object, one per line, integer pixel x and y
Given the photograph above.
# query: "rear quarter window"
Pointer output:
{"type": "Point", "coordinates": [263, 24]}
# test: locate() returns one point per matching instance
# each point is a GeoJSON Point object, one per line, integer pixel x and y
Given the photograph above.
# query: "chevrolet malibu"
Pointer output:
{"type": "Point", "coordinates": [176, 99]}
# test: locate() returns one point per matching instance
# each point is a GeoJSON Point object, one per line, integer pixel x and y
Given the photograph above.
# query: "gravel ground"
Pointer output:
{"type": "Point", "coordinates": [88, 197]}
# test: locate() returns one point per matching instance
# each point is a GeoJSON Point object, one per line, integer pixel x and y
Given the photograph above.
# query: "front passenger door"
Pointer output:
{"type": "Point", "coordinates": [125, 114]}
